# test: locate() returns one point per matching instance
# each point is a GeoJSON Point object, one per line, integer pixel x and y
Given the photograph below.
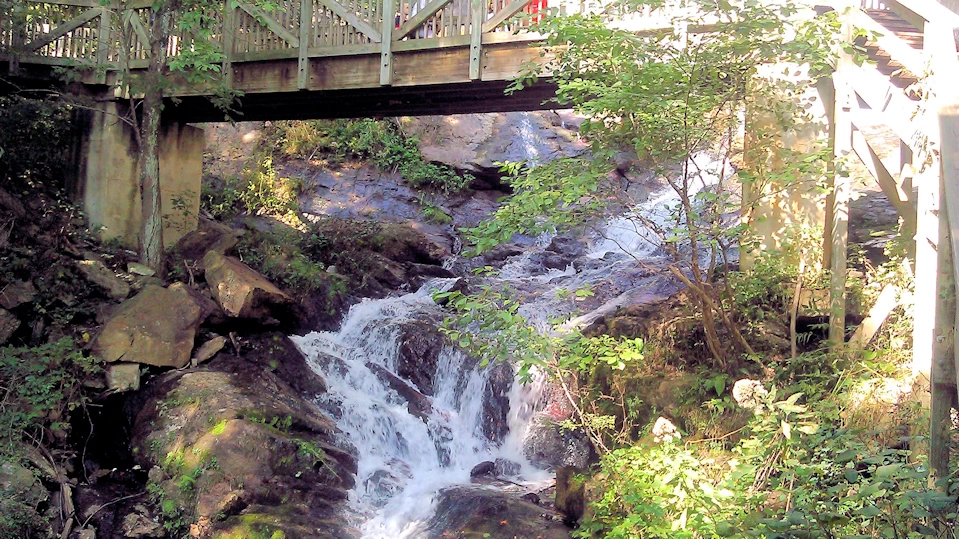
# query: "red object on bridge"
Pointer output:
{"type": "Point", "coordinates": [534, 8]}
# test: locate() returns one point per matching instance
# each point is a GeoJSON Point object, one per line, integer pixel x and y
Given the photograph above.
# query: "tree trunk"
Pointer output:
{"type": "Point", "coordinates": [151, 233]}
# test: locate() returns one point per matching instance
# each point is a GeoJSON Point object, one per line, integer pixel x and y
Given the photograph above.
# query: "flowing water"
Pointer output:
{"type": "Point", "coordinates": [407, 455]}
{"type": "Point", "coordinates": [411, 446]}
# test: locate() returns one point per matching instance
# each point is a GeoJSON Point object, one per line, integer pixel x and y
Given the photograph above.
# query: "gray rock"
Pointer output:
{"type": "Point", "coordinates": [123, 376]}
{"type": "Point", "coordinates": [140, 269]}
{"type": "Point", "coordinates": [97, 273]}
{"type": "Point", "coordinates": [550, 446]}
{"type": "Point", "coordinates": [483, 469]}
{"type": "Point", "coordinates": [506, 468]}
{"type": "Point", "coordinates": [495, 414]}
{"type": "Point", "coordinates": [482, 512]}
{"type": "Point", "coordinates": [8, 324]}
{"type": "Point", "coordinates": [208, 349]}
{"type": "Point", "coordinates": [16, 293]}
{"type": "Point", "coordinates": [139, 524]}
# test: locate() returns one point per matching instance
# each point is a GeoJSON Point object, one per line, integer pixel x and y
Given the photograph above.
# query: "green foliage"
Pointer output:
{"type": "Point", "coordinates": [586, 353]}
{"type": "Point", "coordinates": [259, 190]}
{"type": "Point", "coordinates": [794, 473]}
{"type": "Point", "coordinates": [39, 388]}
{"type": "Point", "coordinates": [432, 212]}
{"type": "Point", "coordinates": [555, 196]}
{"type": "Point", "coordinates": [34, 142]}
{"type": "Point", "coordinates": [280, 256]}
{"type": "Point", "coordinates": [378, 141]}
{"type": "Point", "coordinates": [663, 491]}
{"type": "Point", "coordinates": [489, 325]}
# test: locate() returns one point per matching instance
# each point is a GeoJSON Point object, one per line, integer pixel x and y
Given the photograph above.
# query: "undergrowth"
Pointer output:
{"type": "Point", "coordinates": [377, 141]}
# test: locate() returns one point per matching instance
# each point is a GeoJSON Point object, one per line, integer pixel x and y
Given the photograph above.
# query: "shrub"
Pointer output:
{"type": "Point", "coordinates": [34, 141]}
{"type": "Point", "coordinates": [379, 141]}
{"type": "Point", "coordinates": [39, 388]}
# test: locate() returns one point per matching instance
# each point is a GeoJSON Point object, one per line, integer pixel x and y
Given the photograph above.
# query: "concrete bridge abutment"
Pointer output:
{"type": "Point", "coordinates": [108, 183]}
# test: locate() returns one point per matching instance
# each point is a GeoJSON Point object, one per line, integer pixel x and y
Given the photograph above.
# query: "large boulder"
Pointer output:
{"type": "Point", "coordinates": [97, 273]}
{"type": "Point", "coordinates": [495, 415]}
{"type": "Point", "coordinates": [16, 293]}
{"type": "Point", "coordinates": [240, 451]}
{"type": "Point", "coordinates": [476, 142]}
{"type": "Point", "coordinates": [21, 494]}
{"type": "Point", "coordinates": [420, 345]}
{"type": "Point", "coordinates": [570, 498]}
{"type": "Point", "coordinates": [155, 327]}
{"type": "Point", "coordinates": [208, 236]}
{"type": "Point", "coordinates": [481, 512]}
{"type": "Point", "coordinates": [242, 292]}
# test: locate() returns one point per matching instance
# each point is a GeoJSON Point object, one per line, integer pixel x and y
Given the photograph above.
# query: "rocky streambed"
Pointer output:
{"type": "Point", "coordinates": [368, 422]}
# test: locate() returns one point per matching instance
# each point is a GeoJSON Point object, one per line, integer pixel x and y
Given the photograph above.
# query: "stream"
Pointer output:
{"type": "Point", "coordinates": [418, 435]}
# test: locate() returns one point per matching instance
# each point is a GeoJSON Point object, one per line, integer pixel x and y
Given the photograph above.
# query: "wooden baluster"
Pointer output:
{"type": "Point", "coordinates": [103, 44]}
{"type": "Point", "coordinates": [386, 53]}
{"type": "Point", "coordinates": [229, 42]}
{"type": "Point", "coordinates": [306, 29]}
{"type": "Point", "coordinates": [477, 17]}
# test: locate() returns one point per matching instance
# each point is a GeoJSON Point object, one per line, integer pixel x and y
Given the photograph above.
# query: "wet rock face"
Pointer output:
{"type": "Point", "coordinates": [549, 446]}
{"type": "Point", "coordinates": [476, 142]}
{"type": "Point", "coordinates": [256, 450]}
{"type": "Point", "coordinates": [480, 512]}
{"type": "Point", "coordinates": [496, 403]}
{"type": "Point", "coordinates": [420, 347]}
{"type": "Point", "coordinates": [570, 497]}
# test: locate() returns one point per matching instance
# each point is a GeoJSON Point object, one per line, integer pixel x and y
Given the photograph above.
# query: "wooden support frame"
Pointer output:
{"type": "Point", "coordinates": [508, 11]}
{"type": "Point", "coordinates": [476, 38]}
{"type": "Point", "coordinates": [303, 59]}
{"type": "Point", "coordinates": [838, 215]}
{"type": "Point", "coordinates": [890, 187]}
{"type": "Point", "coordinates": [353, 20]}
{"type": "Point", "coordinates": [229, 43]}
{"type": "Point", "coordinates": [386, 54]}
{"type": "Point", "coordinates": [417, 20]}
{"type": "Point", "coordinates": [264, 18]}
{"type": "Point", "coordinates": [103, 41]}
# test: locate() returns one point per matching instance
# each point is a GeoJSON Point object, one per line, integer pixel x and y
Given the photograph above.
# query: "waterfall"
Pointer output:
{"type": "Point", "coordinates": [413, 442]}
{"type": "Point", "coordinates": [408, 451]}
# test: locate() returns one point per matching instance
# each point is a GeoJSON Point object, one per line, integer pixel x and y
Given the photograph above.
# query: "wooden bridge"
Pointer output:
{"type": "Point", "coordinates": [307, 58]}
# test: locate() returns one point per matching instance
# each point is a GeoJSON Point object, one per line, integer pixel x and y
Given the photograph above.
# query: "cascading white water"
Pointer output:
{"type": "Point", "coordinates": [408, 451]}
{"type": "Point", "coordinates": [628, 234]}
{"type": "Point", "coordinates": [406, 455]}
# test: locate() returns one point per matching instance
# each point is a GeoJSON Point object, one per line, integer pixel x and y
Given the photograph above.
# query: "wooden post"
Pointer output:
{"type": "Point", "coordinates": [306, 34]}
{"type": "Point", "coordinates": [949, 135]}
{"type": "Point", "coordinates": [839, 217]}
{"type": "Point", "coordinates": [104, 42]}
{"type": "Point", "coordinates": [18, 27]}
{"type": "Point", "coordinates": [229, 40]}
{"type": "Point", "coordinates": [942, 375]}
{"type": "Point", "coordinates": [386, 45]}
{"type": "Point", "coordinates": [477, 17]}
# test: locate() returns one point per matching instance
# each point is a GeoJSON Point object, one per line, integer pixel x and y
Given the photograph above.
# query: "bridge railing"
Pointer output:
{"type": "Point", "coordinates": [86, 33]}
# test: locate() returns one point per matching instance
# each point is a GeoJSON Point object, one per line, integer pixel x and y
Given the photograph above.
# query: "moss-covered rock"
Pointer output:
{"type": "Point", "coordinates": [232, 439]}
